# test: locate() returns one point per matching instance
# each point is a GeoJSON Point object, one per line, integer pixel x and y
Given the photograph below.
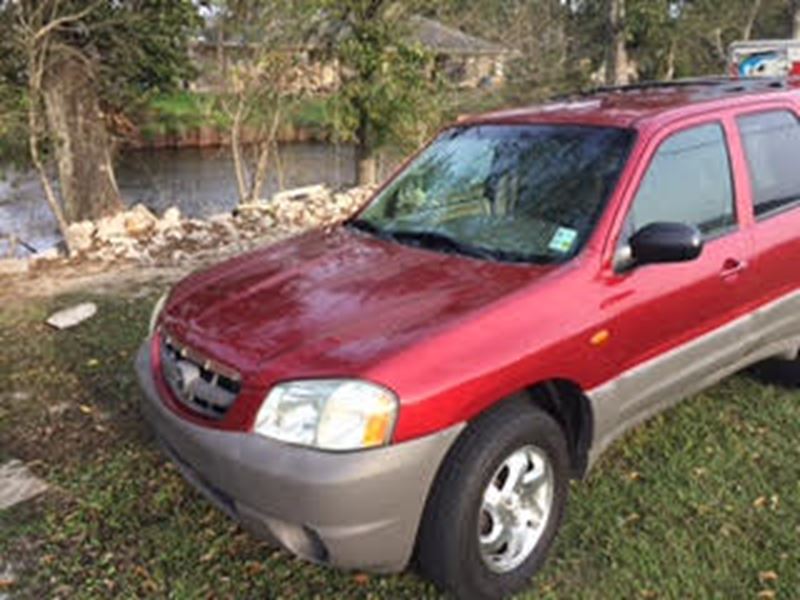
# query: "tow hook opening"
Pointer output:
{"type": "Point", "coordinates": [300, 539]}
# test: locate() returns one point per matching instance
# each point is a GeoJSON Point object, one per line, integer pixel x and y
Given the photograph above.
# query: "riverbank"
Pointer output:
{"type": "Point", "coordinates": [136, 244]}
{"type": "Point", "coordinates": [194, 120]}
{"type": "Point", "coordinates": [199, 182]}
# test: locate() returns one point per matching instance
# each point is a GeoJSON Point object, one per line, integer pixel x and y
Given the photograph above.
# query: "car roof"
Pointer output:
{"type": "Point", "coordinates": [636, 105]}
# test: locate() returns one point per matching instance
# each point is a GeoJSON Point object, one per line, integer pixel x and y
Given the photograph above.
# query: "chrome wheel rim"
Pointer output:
{"type": "Point", "coordinates": [515, 509]}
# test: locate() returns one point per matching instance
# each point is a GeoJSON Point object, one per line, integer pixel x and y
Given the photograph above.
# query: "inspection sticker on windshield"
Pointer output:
{"type": "Point", "coordinates": [563, 240]}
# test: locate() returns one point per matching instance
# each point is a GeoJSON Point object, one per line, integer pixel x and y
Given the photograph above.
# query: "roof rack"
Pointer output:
{"type": "Point", "coordinates": [724, 84]}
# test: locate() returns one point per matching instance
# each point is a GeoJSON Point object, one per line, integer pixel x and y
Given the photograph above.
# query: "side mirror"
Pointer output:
{"type": "Point", "coordinates": [666, 243]}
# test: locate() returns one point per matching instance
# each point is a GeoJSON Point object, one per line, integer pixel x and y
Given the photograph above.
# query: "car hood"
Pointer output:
{"type": "Point", "coordinates": [331, 303]}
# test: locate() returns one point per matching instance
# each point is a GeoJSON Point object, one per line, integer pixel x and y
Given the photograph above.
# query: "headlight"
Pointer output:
{"type": "Point", "coordinates": [331, 414]}
{"type": "Point", "coordinates": [159, 306]}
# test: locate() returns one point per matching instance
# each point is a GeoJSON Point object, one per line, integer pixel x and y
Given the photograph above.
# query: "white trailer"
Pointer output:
{"type": "Point", "coordinates": [765, 58]}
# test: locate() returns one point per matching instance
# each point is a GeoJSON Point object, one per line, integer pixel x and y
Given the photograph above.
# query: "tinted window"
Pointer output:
{"type": "Point", "coordinates": [772, 145]}
{"type": "Point", "coordinates": [505, 192]}
{"type": "Point", "coordinates": [689, 181]}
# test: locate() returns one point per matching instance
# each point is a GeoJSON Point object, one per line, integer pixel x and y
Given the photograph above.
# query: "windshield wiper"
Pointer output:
{"type": "Point", "coordinates": [439, 241]}
{"type": "Point", "coordinates": [363, 225]}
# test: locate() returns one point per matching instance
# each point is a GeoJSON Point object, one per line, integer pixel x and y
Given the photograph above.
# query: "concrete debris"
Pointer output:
{"type": "Point", "coordinates": [79, 236]}
{"type": "Point", "coordinates": [70, 317]}
{"type": "Point", "coordinates": [139, 220]}
{"type": "Point", "coordinates": [8, 579]}
{"type": "Point", "coordinates": [18, 484]}
{"type": "Point", "coordinates": [138, 236]}
{"type": "Point", "coordinates": [109, 229]}
{"type": "Point", "coordinates": [13, 266]}
{"type": "Point", "coordinates": [303, 193]}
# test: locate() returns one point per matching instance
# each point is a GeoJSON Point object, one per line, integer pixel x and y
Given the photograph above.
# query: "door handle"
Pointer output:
{"type": "Point", "coordinates": [733, 266]}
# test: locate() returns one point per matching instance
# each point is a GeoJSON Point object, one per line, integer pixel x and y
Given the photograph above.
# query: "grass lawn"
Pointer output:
{"type": "Point", "coordinates": [703, 502]}
{"type": "Point", "coordinates": [183, 112]}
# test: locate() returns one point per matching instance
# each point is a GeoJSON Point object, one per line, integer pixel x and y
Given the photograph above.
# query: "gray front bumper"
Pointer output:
{"type": "Point", "coordinates": [357, 510]}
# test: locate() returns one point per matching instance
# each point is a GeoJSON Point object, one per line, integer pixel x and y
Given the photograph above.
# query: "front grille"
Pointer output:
{"type": "Point", "coordinates": [199, 384]}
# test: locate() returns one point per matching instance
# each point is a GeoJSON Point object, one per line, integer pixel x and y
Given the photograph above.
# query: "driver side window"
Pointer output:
{"type": "Point", "coordinates": [689, 181]}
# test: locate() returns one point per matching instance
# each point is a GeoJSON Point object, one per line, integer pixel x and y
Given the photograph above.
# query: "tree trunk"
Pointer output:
{"type": "Point", "coordinates": [747, 32]}
{"type": "Point", "coordinates": [276, 151]}
{"type": "Point", "coordinates": [35, 126]}
{"type": "Point", "coordinates": [366, 166]}
{"type": "Point", "coordinates": [264, 153]}
{"type": "Point", "coordinates": [81, 142]}
{"type": "Point", "coordinates": [366, 161]}
{"type": "Point", "coordinates": [236, 151]}
{"type": "Point", "coordinates": [796, 19]}
{"type": "Point", "coordinates": [670, 73]}
{"type": "Point", "coordinates": [222, 63]}
{"type": "Point", "coordinates": [260, 172]}
{"type": "Point", "coordinates": [618, 64]}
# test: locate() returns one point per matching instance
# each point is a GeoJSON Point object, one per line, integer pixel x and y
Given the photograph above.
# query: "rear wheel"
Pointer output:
{"type": "Point", "coordinates": [497, 504]}
{"type": "Point", "coordinates": [780, 371]}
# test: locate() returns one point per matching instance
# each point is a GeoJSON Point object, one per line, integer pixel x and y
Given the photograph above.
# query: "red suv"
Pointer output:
{"type": "Point", "coordinates": [425, 379]}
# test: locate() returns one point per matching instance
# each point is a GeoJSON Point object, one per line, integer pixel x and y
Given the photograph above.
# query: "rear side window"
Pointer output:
{"type": "Point", "coordinates": [689, 181]}
{"type": "Point", "coordinates": [772, 145]}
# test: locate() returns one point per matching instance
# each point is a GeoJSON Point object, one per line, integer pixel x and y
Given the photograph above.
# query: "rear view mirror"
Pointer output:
{"type": "Point", "coordinates": [666, 243]}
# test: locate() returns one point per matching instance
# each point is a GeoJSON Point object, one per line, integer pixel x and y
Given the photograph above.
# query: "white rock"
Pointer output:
{"type": "Point", "coordinates": [110, 228]}
{"type": "Point", "coordinates": [13, 266]}
{"type": "Point", "coordinates": [139, 220]}
{"type": "Point", "coordinates": [79, 235]}
{"type": "Point", "coordinates": [171, 221]}
{"type": "Point", "coordinates": [133, 253]}
{"type": "Point", "coordinates": [70, 317]}
{"type": "Point", "coordinates": [171, 217]}
{"type": "Point", "coordinates": [251, 209]}
{"type": "Point", "coordinates": [221, 218]}
{"type": "Point", "coordinates": [157, 241]}
{"type": "Point", "coordinates": [9, 577]}
{"type": "Point", "coordinates": [45, 255]}
{"type": "Point", "coordinates": [199, 236]}
{"type": "Point", "coordinates": [226, 223]}
{"type": "Point", "coordinates": [18, 484]}
{"type": "Point", "coordinates": [301, 193]}
{"type": "Point", "coordinates": [173, 235]}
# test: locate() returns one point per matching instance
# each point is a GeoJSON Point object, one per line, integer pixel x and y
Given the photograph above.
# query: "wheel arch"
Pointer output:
{"type": "Point", "coordinates": [566, 402]}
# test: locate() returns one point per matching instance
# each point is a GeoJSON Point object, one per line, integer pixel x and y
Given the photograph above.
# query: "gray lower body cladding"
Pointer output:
{"type": "Point", "coordinates": [772, 330]}
{"type": "Point", "coordinates": [358, 510]}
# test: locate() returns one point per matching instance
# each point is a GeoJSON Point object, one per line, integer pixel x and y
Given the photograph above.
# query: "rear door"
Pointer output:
{"type": "Point", "coordinates": [673, 326]}
{"type": "Point", "coordinates": [770, 143]}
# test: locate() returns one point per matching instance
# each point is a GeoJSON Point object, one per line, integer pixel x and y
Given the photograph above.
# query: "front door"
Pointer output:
{"type": "Point", "coordinates": [673, 325]}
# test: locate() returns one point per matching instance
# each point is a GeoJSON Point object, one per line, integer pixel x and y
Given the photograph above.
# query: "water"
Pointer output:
{"type": "Point", "coordinates": [201, 182]}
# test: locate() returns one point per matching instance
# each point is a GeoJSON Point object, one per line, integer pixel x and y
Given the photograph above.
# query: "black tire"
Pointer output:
{"type": "Point", "coordinates": [779, 371]}
{"type": "Point", "coordinates": [448, 551]}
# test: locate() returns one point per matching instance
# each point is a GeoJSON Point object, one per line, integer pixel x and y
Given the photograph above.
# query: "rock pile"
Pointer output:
{"type": "Point", "coordinates": [138, 235]}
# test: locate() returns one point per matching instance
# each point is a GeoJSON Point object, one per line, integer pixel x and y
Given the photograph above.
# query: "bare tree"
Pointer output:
{"type": "Point", "coordinates": [266, 76]}
{"type": "Point", "coordinates": [263, 90]}
{"type": "Point", "coordinates": [64, 109]}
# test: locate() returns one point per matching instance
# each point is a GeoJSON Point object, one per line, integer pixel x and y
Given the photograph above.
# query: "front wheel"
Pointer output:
{"type": "Point", "coordinates": [497, 504]}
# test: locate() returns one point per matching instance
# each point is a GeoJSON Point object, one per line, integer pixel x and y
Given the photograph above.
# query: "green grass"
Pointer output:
{"type": "Point", "coordinates": [183, 112]}
{"type": "Point", "coordinates": [702, 502]}
{"type": "Point", "coordinates": [179, 113]}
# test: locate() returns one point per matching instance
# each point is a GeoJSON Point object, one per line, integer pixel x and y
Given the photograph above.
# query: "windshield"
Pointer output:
{"type": "Point", "coordinates": [521, 193]}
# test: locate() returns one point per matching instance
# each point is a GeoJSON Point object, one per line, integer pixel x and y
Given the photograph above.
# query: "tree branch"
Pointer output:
{"type": "Point", "coordinates": [58, 22]}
